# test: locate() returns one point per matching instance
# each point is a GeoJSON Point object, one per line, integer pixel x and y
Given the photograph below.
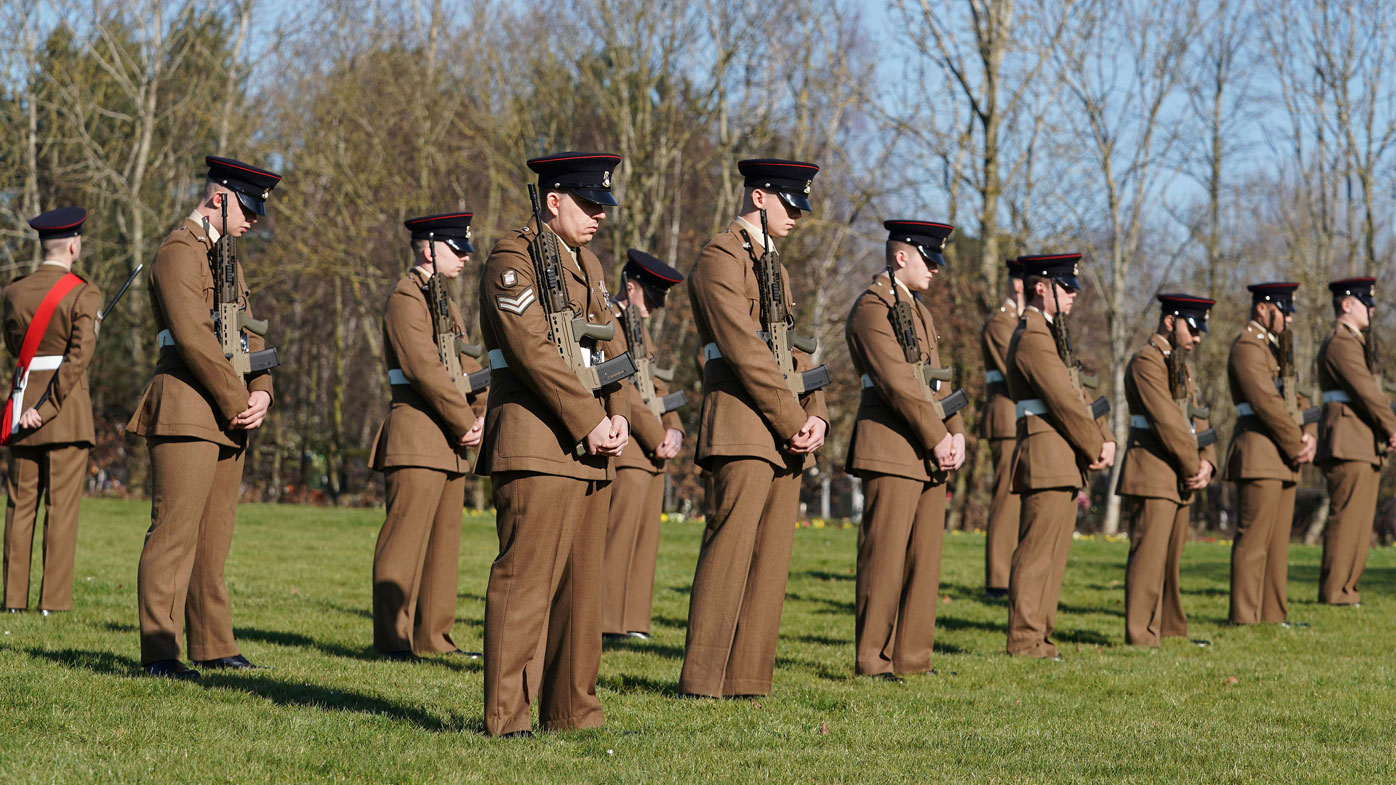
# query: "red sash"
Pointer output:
{"type": "Point", "coordinates": [32, 336]}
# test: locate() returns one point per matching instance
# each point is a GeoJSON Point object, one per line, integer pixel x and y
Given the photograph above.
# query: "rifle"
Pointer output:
{"type": "Point", "coordinates": [776, 322]}
{"type": "Point", "coordinates": [449, 344]}
{"type": "Point", "coordinates": [97, 323]}
{"type": "Point", "coordinates": [565, 327]}
{"type": "Point", "coordinates": [229, 313]}
{"type": "Point", "coordinates": [644, 372]}
{"type": "Point", "coordinates": [1289, 378]}
{"type": "Point", "coordinates": [929, 378]}
{"type": "Point", "coordinates": [1061, 334]}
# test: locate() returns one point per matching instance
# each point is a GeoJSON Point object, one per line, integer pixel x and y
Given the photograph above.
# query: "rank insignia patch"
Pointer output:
{"type": "Point", "coordinates": [508, 278]}
{"type": "Point", "coordinates": [516, 305]}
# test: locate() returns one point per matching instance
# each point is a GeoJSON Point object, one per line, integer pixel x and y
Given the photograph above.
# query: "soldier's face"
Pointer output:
{"type": "Point", "coordinates": [1056, 298]}
{"type": "Point", "coordinates": [449, 263]}
{"type": "Point", "coordinates": [635, 295]}
{"type": "Point", "coordinates": [240, 219]}
{"type": "Point", "coordinates": [1359, 314]}
{"type": "Point", "coordinates": [780, 217]}
{"type": "Point", "coordinates": [1184, 338]}
{"type": "Point", "coordinates": [575, 220]}
{"type": "Point", "coordinates": [916, 272]}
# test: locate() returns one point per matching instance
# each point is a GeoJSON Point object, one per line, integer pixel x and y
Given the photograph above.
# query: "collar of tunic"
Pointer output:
{"type": "Point", "coordinates": [1039, 310]}
{"type": "Point", "coordinates": [758, 238]}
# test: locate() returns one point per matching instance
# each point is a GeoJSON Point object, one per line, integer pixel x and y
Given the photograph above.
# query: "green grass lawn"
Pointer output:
{"type": "Point", "coordinates": [1262, 704]}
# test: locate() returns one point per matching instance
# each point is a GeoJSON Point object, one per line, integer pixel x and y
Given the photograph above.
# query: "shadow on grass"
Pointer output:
{"type": "Point", "coordinates": [669, 621]}
{"type": "Point", "coordinates": [630, 683]}
{"type": "Point", "coordinates": [957, 623]}
{"type": "Point", "coordinates": [1084, 637]}
{"type": "Point", "coordinates": [643, 647]}
{"type": "Point", "coordinates": [822, 575]}
{"type": "Point", "coordinates": [297, 640]}
{"type": "Point", "coordinates": [1088, 609]}
{"type": "Point", "coordinates": [281, 693]}
{"type": "Point", "coordinates": [818, 640]}
{"type": "Point", "coordinates": [819, 669]}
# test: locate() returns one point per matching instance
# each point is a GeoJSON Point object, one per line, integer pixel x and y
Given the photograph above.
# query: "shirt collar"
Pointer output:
{"type": "Point", "coordinates": [1256, 327]}
{"type": "Point", "coordinates": [198, 220]}
{"type": "Point", "coordinates": [1039, 310]}
{"type": "Point", "coordinates": [1161, 344]}
{"type": "Point", "coordinates": [1011, 303]}
{"type": "Point", "coordinates": [1352, 329]}
{"type": "Point", "coordinates": [758, 237]}
{"type": "Point", "coordinates": [903, 287]}
{"type": "Point", "coordinates": [55, 263]}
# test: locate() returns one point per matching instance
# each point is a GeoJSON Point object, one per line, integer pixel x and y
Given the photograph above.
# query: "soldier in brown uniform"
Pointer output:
{"type": "Point", "coordinates": [1058, 442]}
{"type": "Point", "coordinates": [48, 420]}
{"type": "Point", "coordinates": [1001, 429]}
{"type": "Point", "coordinates": [1356, 430]}
{"type": "Point", "coordinates": [1163, 466]}
{"type": "Point", "coordinates": [903, 450]}
{"type": "Point", "coordinates": [549, 447]}
{"type": "Point", "coordinates": [637, 495]}
{"type": "Point", "coordinates": [196, 415]}
{"type": "Point", "coordinates": [421, 449]}
{"type": "Point", "coordinates": [1267, 449]}
{"type": "Point", "coordinates": [755, 435]}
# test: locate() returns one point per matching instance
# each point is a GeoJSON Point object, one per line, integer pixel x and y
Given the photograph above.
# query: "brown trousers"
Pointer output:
{"type": "Point", "coordinates": [632, 546]}
{"type": "Point", "coordinates": [1039, 562]}
{"type": "Point", "coordinates": [543, 605]}
{"type": "Point", "coordinates": [179, 583]}
{"type": "Point", "coordinates": [739, 583]}
{"type": "Point", "coordinates": [1004, 511]}
{"type": "Point", "coordinates": [1352, 494]}
{"type": "Point", "coordinates": [1158, 528]}
{"type": "Point", "coordinates": [416, 562]}
{"type": "Point", "coordinates": [898, 584]}
{"type": "Point", "coordinates": [1260, 553]}
{"type": "Point", "coordinates": [54, 474]}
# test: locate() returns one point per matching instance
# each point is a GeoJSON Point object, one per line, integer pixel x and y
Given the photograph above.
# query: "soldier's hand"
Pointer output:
{"type": "Point", "coordinates": [1106, 458]}
{"type": "Point", "coordinates": [620, 433]}
{"type": "Point", "coordinates": [959, 450]}
{"type": "Point", "coordinates": [1306, 453]}
{"type": "Point", "coordinates": [29, 419]}
{"type": "Point", "coordinates": [251, 418]}
{"type": "Point", "coordinates": [472, 437]}
{"type": "Point", "coordinates": [1202, 479]}
{"type": "Point", "coordinates": [601, 440]}
{"type": "Point", "coordinates": [669, 448]}
{"type": "Point", "coordinates": [1391, 443]}
{"type": "Point", "coordinates": [944, 453]}
{"type": "Point", "coordinates": [810, 437]}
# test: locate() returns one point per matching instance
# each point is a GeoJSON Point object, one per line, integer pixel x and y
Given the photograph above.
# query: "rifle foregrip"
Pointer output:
{"type": "Point", "coordinates": [946, 375]}
{"type": "Point", "coordinates": [254, 326]}
{"type": "Point", "coordinates": [581, 328]}
{"type": "Point", "coordinates": [805, 343]}
{"type": "Point", "coordinates": [468, 349]}
{"type": "Point", "coordinates": [1090, 381]}
{"type": "Point", "coordinates": [663, 374]}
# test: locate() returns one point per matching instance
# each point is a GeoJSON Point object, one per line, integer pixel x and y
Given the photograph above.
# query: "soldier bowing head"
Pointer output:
{"type": "Point", "coordinates": [914, 251]}
{"type": "Point", "coordinates": [647, 281]}
{"type": "Point", "coordinates": [576, 190]}
{"type": "Point", "coordinates": [1354, 299]}
{"type": "Point", "coordinates": [1050, 281]}
{"type": "Point", "coordinates": [775, 181]}
{"type": "Point", "coordinates": [240, 187]}
{"type": "Point", "coordinates": [1272, 304]}
{"type": "Point", "coordinates": [441, 243]}
{"type": "Point", "coordinates": [1183, 319]}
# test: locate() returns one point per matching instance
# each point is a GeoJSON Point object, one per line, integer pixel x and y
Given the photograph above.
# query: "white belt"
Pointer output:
{"type": "Point", "coordinates": [47, 362]}
{"type": "Point", "coordinates": [1032, 406]}
{"type": "Point", "coordinates": [396, 376]}
{"type": "Point", "coordinates": [497, 359]}
{"type": "Point", "coordinates": [993, 376]}
{"type": "Point", "coordinates": [1336, 396]}
{"type": "Point", "coordinates": [711, 352]}
{"type": "Point", "coordinates": [1244, 410]}
{"type": "Point", "coordinates": [867, 381]}
{"type": "Point", "coordinates": [165, 338]}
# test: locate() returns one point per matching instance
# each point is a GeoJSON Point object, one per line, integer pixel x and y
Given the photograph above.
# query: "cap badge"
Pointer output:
{"type": "Point", "coordinates": [1076, 269]}
{"type": "Point", "coordinates": [808, 183]}
{"type": "Point", "coordinates": [943, 240]}
{"type": "Point", "coordinates": [606, 179]}
{"type": "Point", "coordinates": [467, 232]}
{"type": "Point", "coordinates": [508, 278]}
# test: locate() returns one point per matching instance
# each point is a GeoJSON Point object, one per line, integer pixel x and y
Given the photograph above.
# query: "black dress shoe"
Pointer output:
{"type": "Point", "coordinates": [401, 656]}
{"type": "Point", "coordinates": [474, 655]}
{"type": "Point", "coordinates": [235, 662]}
{"type": "Point", "coordinates": [639, 636]}
{"type": "Point", "coordinates": [613, 636]}
{"type": "Point", "coordinates": [14, 610]}
{"type": "Point", "coordinates": [518, 734]}
{"type": "Point", "coordinates": [171, 669]}
{"type": "Point", "coordinates": [892, 677]}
